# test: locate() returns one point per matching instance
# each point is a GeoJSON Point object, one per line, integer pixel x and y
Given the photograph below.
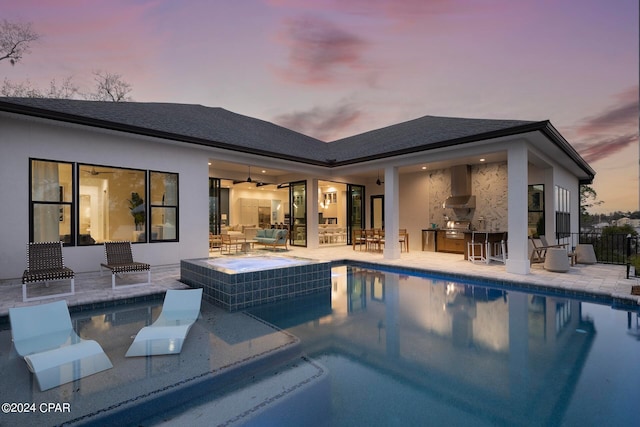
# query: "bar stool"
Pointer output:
{"type": "Point", "coordinates": [477, 251]}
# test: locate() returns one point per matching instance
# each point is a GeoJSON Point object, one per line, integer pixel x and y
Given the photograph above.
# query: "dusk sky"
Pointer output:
{"type": "Point", "coordinates": [334, 68]}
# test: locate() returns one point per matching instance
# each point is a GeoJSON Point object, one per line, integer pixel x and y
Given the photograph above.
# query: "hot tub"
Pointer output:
{"type": "Point", "coordinates": [239, 282]}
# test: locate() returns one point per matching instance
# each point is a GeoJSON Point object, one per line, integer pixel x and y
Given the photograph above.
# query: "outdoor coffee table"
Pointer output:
{"type": "Point", "coordinates": [247, 245]}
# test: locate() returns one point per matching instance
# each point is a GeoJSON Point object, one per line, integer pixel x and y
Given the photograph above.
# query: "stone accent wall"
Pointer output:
{"type": "Point", "coordinates": [488, 184]}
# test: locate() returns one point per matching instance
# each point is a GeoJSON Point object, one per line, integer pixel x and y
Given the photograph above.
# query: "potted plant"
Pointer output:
{"type": "Point", "coordinates": [136, 207]}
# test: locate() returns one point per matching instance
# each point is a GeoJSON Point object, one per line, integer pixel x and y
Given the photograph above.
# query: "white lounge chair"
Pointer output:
{"type": "Point", "coordinates": [180, 310]}
{"type": "Point", "coordinates": [44, 337]}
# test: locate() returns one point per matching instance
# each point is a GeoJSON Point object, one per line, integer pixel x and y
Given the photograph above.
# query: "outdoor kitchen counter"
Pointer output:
{"type": "Point", "coordinates": [481, 236]}
{"type": "Point", "coordinates": [429, 239]}
{"type": "Point", "coordinates": [435, 240]}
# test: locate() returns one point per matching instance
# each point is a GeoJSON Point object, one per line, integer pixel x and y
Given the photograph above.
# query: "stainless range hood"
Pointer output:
{"type": "Point", "coordinates": [461, 197]}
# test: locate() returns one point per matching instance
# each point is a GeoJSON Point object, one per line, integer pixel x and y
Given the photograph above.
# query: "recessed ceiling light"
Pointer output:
{"type": "Point", "coordinates": [424, 168]}
{"type": "Point", "coordinates": [482, 160]}
{"type": "Point", "coordinates": [264, 171]}
{"type": "Point", "coordinates": [209, 163]}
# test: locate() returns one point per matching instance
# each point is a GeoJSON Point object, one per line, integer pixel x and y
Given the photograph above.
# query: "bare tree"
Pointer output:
{"type": "Point", "coordinates": [20, 90]}
{"type": "Point", "coordinates": [110, 87]}
{"type": "Point", "coordinates": [66, 90]}
{"type": "Point", "coordinates": [15, 39]}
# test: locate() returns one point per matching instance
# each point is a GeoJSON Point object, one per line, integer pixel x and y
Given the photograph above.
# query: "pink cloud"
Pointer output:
{"type": "Point", "coordinates": [319, 51]}
{"type": "Point", "coordinates": [612, 130]}
{"type": "Point", "coordinates": [618, 116]}
{"type": "Point", "coordinates": [601, 149]}
{"type": "Point", "coordinates": [325, 124]}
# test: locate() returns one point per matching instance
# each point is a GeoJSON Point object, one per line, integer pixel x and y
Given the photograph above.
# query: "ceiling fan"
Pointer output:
{"type": "Point", "coordinates": [94, 172]}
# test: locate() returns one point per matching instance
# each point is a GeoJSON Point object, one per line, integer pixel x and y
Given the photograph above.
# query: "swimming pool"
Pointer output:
{"type": "Point", "coordinates": [399, 349]}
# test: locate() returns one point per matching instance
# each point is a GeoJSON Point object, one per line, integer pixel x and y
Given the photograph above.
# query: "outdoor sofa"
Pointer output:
{"type": "Point", "coordinates": [272, 237]}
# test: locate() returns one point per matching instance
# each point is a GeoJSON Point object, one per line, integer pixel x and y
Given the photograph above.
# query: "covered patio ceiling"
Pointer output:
{"type": "Point", "coordinates": [262, 172]}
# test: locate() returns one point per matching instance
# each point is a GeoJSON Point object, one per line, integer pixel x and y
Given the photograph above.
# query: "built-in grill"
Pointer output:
{"type": "Point", "coordinates": [456, 229]}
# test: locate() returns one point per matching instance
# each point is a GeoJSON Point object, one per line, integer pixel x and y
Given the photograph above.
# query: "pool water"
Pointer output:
{"type": "Point", "coordinates": [247, 263]}
{"type": "Point", "coordinates": [400, 349]}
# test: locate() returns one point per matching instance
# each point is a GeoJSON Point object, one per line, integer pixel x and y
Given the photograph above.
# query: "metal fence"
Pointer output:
{"type": "Point", "coordinates": [619, 249]}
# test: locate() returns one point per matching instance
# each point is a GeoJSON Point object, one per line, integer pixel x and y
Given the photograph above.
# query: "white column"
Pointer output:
{"type": "Point", "coordinates": [549, 206]}
{"type": "Point", "coordinates": [391, 213]}
{"type": "Point", "coordinates": [517, 183]}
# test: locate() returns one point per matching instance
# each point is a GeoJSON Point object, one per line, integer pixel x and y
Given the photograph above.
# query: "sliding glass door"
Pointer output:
{"type": "Point", "coordinates": [214, 206]}
{"type": "Point", "coordinates": [355, 209]}
{"type": "Point", "coordinates": [298, 203]}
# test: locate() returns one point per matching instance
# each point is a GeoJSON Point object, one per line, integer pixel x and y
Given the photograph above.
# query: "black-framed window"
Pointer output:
{"type": "Point", "coordinates": [163, 188]}
{"type": "Point", "coordinates": [563, 212]}
{"type": "Point", "coordinates": [111, 204]}
{"type": "Point", "coordinates": [51, 213]}
{"type": "Point", "coordinates": [536, 210]}
{"type": "Point", "coordinates": [85, 204]}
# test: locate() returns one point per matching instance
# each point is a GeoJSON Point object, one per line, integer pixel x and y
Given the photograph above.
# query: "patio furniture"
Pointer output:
{"type": "Point", "coordinates": [536, 251]}
{"type": "Point", "coordinates": [403, 238]}
{"type": "Point", "coordinates": [373, 239]}
{"type": "Point", "coordinates": [273, 238]}
{"type": "Point", "coordinates": [556, 260]}
{"type": "Point", "coordinates": [180, 310]}
{"type": "Point", "coordinates": [540, 250]}
{"type": "Point", "coordinates": [543, 239]}
{"type": "Point", "coordinates": [498, 251]}
{"type": "Point", "coordinates": [323, 235]}
{"type": "Point", "coordinates": [247, 245]}
{"type": "Point", "coordinates": [231, 242]}
{"type": "Point", "coordinates": [54, 353]}
{"type": "Point", "coordinates": [358, 238]}
{"type": "Point", "coordinates": [215, 241]}
{"type": "Point", "coordinates": [585, 254]}
{"type": "Point", "coordinates": [45, 264]}
{"type": "Point", "coordinates": [477, 248]}
{"type": "Point", "coordinates": [119, 259]}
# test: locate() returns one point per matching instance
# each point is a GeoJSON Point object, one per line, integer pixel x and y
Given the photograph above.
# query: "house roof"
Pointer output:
{"type": "Point", "coordinates": [217, 127]}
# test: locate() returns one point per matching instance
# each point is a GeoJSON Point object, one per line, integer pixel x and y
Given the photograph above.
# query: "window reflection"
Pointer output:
{"type": "Point", "coordinates": [51, 201]}
{"type": "Point", "coordinates": [164, 206]}
{"type": "Point", "coordinates": [111, 204]}
{"type": "Point", "coordinates": [102, 203]}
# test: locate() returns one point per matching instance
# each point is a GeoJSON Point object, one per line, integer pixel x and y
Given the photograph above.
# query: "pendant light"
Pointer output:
{"type": "Point", "coordinates": [249, 177]}
{"type": "Point", "coordinates": [378, 182]}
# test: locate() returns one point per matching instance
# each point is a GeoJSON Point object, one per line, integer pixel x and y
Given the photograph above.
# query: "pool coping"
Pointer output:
{"type": "Point", "coordinates": [622, 302]}
{"type": "Point", "coordinates": [618, 301]}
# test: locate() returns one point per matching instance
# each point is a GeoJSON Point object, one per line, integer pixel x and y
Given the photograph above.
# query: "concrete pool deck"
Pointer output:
{"type": "Point", "coordinates": [222, 341]}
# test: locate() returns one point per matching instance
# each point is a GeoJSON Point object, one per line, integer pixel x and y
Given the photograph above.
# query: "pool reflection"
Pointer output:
{"type": "Point", "coordinates": [508, 355]}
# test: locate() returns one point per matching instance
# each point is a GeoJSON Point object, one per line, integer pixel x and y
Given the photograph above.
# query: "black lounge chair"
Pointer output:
{"type": "Point", "coordinates": [45, 264]}
{"type": "Point", "coordinates": [119, 259]}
